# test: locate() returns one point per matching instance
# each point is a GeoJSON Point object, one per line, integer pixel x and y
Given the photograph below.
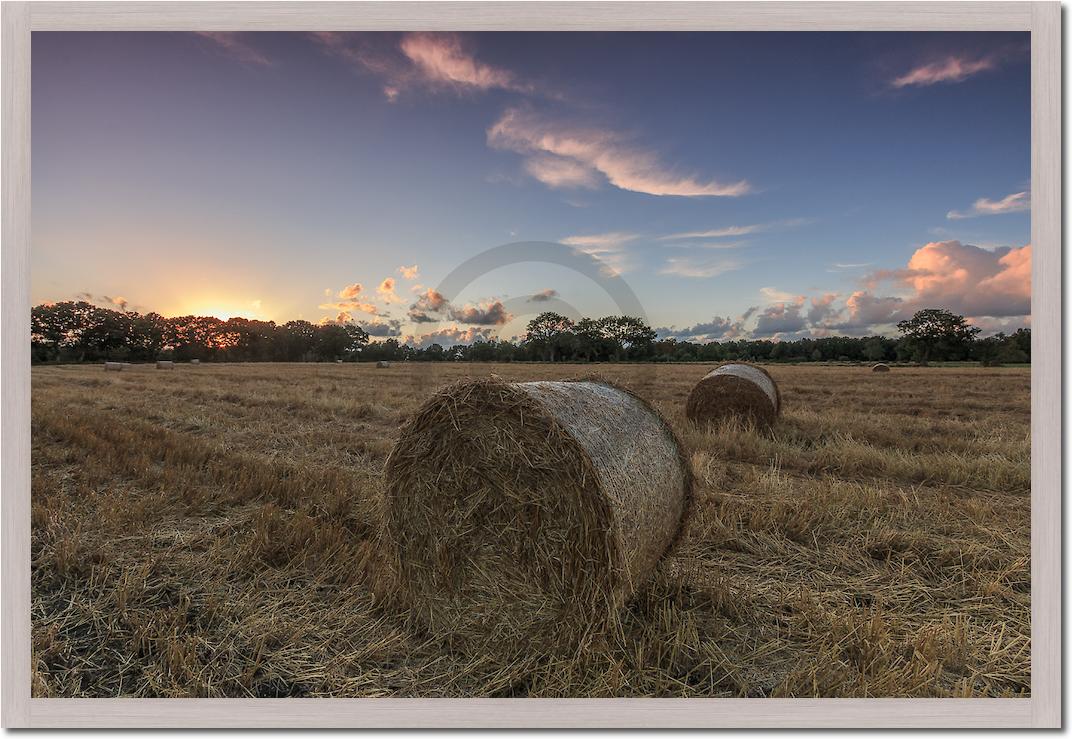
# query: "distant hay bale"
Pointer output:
{"type": "Point", "coordinates": [880, 367]}
{"type": "Point", "coordinates": [165, 364]}
{"type": "Point", "coordinates": [735, 390]}
{"type": "Point", "coordinates": [195, 361]}
{"type": "Point", "coordinates": [524, 515]}
{"type": "Point", "coordinates": [113, 366]}
{"type": "Point", "coordinates": [382, 364]}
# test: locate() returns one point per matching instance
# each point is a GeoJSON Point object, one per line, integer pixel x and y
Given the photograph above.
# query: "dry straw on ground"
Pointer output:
{"type": "Point", "coordinates": [526, 514]}
{"type": "Point", "coordinates": [880, 368]}
{"type": "Point", "coordinates": [735, 391]}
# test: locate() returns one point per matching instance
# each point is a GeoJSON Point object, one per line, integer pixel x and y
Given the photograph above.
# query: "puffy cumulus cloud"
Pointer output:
{"type": "Point", "coordinates": [409, 273]}
{"type": "Point", "coordinates": [386, 291]}
{"type": "Point", "coordinates": [119, 302]}
{"type": "Point", "coordinates": [543, 296]}
{"type": "Point", "coordinates": [489, 314]}
{"type": "Point", "coordinates": [602, 154]}
{"type": "Point", "coordinates": [430, 301]}
{"type": "Point", "coordinates": [383, 329]}
{"type": "Point", "coordinates": [449, 336]}
{"type": "Point", "coordinates": [780, 319]}
{"type": "Point", "coordinates": [1013, 203]}
{"type": "Point", "coordinates": [970, 280]}
{"type": "Point", "coordinates": [351, 291]}
{"type": "Point", "coordinates": [716, 329]}
{"type": "Point", "coordinates": [236, 46]}
{"type": "Point", "coordinates": [822, 308]}
{"type": "Point", "coordinates": [953, 68]}
{"type": "Point", "coordinates": [341, 317]}
{"type": "Point", "coordinates": [350, 305]}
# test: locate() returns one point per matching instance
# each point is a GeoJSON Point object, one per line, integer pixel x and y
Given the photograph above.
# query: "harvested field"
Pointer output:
{"type": "Point", "coordinates": [212, 532]}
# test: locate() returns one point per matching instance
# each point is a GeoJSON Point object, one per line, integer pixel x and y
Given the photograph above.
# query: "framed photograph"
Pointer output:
{"type": "Point", "coordinates": [558, 364]}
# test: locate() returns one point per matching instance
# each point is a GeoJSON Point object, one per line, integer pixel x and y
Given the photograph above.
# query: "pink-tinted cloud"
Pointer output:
{"type": "Point", "coordinates": [1014, 203]}
{"type": "Point", "coordinates": [951, 69]}
{"type": "Point", "coordinates": [449, 336]}
{"type": "Point", "coordinates": [235, 45]}
{"type": "Point", "coordinates": [410, 273]}
{"type": "Point", "coordinates": [351, 291]}
{"type": "Point", "coordinates": [351, 305]}
{"type": "Point", "coordinates": [386, 291]}
{"type": "Point", "coordinates": [699, 268]}
{"type": "Point", "coordinates": [607, 248]}
{"type": "Point", "coordinates": [493, 313]}
{"type": "Point", "coordinates": [442, 59]}
{"type": "Point", "coordinates": [822, 308]}
{"type": "Point", "coordinates": [781, 318]}
{"type": "Point", "coordinates": [600, 153]}
{"type": "Point", "coordinates": [560, 172]}
{"type": "Point", "coordinates": [544, 295]}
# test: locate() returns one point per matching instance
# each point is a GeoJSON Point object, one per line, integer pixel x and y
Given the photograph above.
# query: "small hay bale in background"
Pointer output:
{"type": "Point", "coordinates": [195, 361]}
{"type": "Point", "coordinates": [735, 390]}
{"type": "Point", "coordinates": [113, 366]}
{"type": "Point", "coordinates": [382, 364]}
{"type": "Point", "coordinates": [880, 368]}
{"type": "Point", "coordinates": [524, 515]}
{"type": "Point", "coordinates": [165, 364]}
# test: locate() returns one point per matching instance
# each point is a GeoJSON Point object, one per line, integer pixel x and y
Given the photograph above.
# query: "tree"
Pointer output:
{"type": "Point", "coordinates": [935, 333]}
{"type": "Point", "coordinates": [874, 349]}
{"type": "Point", "coordinates": [546, 332]}
{"type": "Point", "coordinates": [629, 334]}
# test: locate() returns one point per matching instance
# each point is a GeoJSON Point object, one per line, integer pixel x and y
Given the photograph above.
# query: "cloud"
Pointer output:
{"type": "Point", "coordinates": [489, 314]}
{"type": "Point", "coordinates": [441, 59]}
{"type": "Point", "coordinates": [351, 305]}
{"type": "Point", "coordinates": [951, 69]}
{"type": "Point", "coordinates": [118, 301]}
{"type": "Point", "coordinates": [450, 336]}
{"type": "Point", "coordinates": [716, 329]}
{"type": "Point", "coordinates": [410, 273]}
{"type": "Point", "coordinates": [774, 295]}
{"type": "Point", "coordinates": [382, 328]}
{"type": "Point", "coordinates": [349, 292]}
{"type": "Point", "coordinates": [386, 291]}
{"type": "Point", "coordinates": [781, 318]}
{"type": "Point", "coordinates": [544, 295]}
{"type": "Point", "coordinates": [699, 268]}
{"type": "Point", "coordinates": [560, 172]}
{"type": "Point", "coordinates": [600, 153]}
{"type": "Point", "coordinates": [716, 233]}
{"type": "Point", "coordinates": [607, 248]}
{"type": "Point", "coordinates": [822, 308]}
{"type": "Point", "coordinates": [436, 61]}
{"type": "Point", "coordinates": [234, 45]}
{"type": "Point", "coordinates": [1014, 203]}
{"type": "Point", "coordinates": [430, 301]}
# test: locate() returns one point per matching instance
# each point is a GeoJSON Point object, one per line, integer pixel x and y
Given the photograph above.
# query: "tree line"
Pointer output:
{"type": "Point", "coordinates": [78, 331]}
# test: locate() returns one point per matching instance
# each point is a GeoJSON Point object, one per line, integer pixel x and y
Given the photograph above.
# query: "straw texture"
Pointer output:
{"type": "Point", "coordinates": [735, 390]}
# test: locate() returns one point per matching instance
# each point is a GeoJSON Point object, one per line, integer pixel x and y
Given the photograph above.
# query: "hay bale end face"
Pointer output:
{"type": "Point", "coordinates": [165, 364]}
{"type": "Point", "coordinates": [880, 368]}
{"type": "Point", "coordinates": [735, 391]}
{"type": "Point", "coordinates": [382, 364]}
{"type": "Point", "coordinates": [195, 361]}
{"type": "Point", "coordinates": [113, 366]}
{"type": "Point", "coordinates": [524, 515]}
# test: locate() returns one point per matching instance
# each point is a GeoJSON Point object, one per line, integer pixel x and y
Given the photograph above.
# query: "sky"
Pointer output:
{"type": "Point", "coordinates": [740, 184]}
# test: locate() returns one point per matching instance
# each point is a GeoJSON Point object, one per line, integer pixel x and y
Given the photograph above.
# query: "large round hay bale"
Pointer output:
{"type": "Point", "coordinates": [165, 364]}
{"type": "Point", "coordinates": [524, 515]}
{"type": "Point", "coordinates": [113, 366]}
{"type": "Point", "coordinates": [382, 364]}
{"type": "Point", "coordinates": [880, 367]}
{"type": "Point", "coordinates": [735, 391]}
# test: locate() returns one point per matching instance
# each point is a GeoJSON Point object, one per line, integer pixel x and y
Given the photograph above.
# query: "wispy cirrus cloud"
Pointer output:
{"type": "Point", "coordinates": [587, 154]}
{"type": "Point", "coordinates": [1013, 203]}
{"type": "Point", "coordinates": [699, 268]}
{"type": "Point", "coordinates": [950, 69]}
{"type": "Point", "coordinates": [350, 305]}
{"type": "Point", "coordinates": [607, 248]}
{"type": "Point", "coordinates": [235, 45]}
{"type": "Point", "coordinates": [716, 233]}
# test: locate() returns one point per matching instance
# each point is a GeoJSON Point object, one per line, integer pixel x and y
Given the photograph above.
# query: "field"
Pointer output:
{"type": "Point", "coordinates": [211, 531]}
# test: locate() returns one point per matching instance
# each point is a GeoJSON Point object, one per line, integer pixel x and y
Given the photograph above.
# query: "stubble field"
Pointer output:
{"type": "Point", "coordinates": [212, 531]}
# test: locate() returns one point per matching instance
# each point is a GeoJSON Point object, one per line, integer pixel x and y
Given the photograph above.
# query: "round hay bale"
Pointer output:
{"type": "Point", "coordinates": [880, 367]}
{"type": "Point", "coordinates": [113, 366]}
{"type": "Point", "coordinates": [524, 515]}
{"type": "Point", "coordinates": [382, 364]}
{"type": "Point", "coordinates": [195, 361]}
{"type": "Point", "coordinates": [165, 364]}
{"type": "Point", "coordinates": [735, 390]}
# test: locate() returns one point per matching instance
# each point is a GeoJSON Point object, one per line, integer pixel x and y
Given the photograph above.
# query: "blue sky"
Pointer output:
{"type": "Point", "coordinates": [743, 184]}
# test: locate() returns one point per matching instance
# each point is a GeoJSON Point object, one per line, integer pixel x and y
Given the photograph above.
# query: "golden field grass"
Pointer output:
{"type": "Point", "coordinates": [212, 531]}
